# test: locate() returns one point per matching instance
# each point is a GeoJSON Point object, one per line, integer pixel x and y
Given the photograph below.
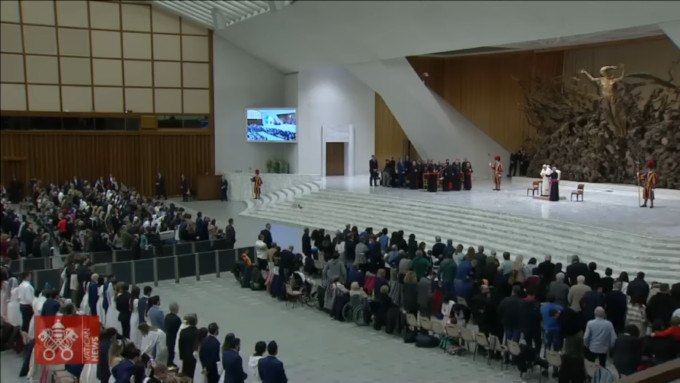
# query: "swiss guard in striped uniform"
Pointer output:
{"type": "Point", "coordinates": [497, 168]}
{"type": "Point", "coordinates": [649, 180]}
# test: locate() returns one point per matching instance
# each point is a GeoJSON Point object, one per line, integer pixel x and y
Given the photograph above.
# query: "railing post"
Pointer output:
{"type": "Point", "coordinates": [21, 264]}
{"type": "Point", "coordinates": [198, 267]}
{"type": "Point", "coordinates": [134, 274]}
{"type": "Point", "coordinates": [114, 257]}
{"type": "Point", "coordinates": [217, 263]}
{"type": "Point", "coordinates": [155, 272]}
{"type": "Point", "coordinates": [176, 260]}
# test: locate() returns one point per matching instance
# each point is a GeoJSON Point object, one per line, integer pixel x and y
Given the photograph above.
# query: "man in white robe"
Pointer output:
{"type": "Point", "coordinates": [545, 174]}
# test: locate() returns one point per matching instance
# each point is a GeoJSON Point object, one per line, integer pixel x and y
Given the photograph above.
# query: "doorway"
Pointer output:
{"type": "Point", "coordinates": [335, 158]}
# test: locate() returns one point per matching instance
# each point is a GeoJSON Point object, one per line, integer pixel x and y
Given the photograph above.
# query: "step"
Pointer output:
{"type": "Point", "coordinates": [327, 212]}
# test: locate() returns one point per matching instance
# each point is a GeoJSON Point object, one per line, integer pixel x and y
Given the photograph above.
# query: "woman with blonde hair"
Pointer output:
{"type": "Point", "coordinates": [518, 271]}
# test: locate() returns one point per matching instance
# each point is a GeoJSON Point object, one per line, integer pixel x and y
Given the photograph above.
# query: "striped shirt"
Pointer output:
{"type": "Point", "coordinates": [636, 316]}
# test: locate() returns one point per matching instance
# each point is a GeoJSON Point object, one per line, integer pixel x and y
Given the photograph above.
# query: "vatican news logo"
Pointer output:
{"type": "Point", "coordinates": [67, 340]}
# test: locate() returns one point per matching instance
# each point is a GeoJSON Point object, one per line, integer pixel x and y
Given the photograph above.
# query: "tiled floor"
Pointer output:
{"type": "Point", "coordinates": [313, 347]}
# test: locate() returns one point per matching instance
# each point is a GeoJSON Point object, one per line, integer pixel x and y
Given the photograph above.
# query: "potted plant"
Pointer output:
{"type": "Point", "coordinates": [270, 165]}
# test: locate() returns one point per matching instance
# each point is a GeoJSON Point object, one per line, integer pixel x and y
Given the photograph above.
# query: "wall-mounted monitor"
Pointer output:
{"type": "Point", "coordinates": [272, 124]}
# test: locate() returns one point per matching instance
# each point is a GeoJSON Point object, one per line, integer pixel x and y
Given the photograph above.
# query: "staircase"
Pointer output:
{"type": "Point", "coordinates": [308, 206]}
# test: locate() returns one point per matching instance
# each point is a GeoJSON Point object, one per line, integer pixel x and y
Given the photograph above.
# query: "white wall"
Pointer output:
{"type": "Point", "coordinates": [290, 97]}
{"type": "Point", "coordinates": [332, 96]}
{"type": "Point", "coordinates": [436, 130]}
{"type": "Point", "coordinates": [242, 81]}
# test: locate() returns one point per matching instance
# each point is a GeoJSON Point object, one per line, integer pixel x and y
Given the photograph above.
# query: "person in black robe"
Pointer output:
{"type": "Point", "coordinates": [456, 175]}
{"type": "Point", "coordinates": [414, 176]}
{"type": "Point", "coordinates": [160, 187]}
{"type": "Point", "coordinates": [467, 174]}
{"type": "Point", "coordinates": [554, 185]}
{"type": "Point", "coordinates": [224, 188]}
{"type": "Point", "coordinates": [184, 188]}
{"type": "Point", "coordinates": [447, 174]}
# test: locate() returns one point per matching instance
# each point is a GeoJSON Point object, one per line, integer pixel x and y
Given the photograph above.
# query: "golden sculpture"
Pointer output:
{"type": "Point", "coordinates": [607, 83]}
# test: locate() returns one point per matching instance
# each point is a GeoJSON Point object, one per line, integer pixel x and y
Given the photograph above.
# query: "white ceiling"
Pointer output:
{"type": "Point", "coordinates": [221, 13]}
{"type": "Point", "coordinates": [306, 34]}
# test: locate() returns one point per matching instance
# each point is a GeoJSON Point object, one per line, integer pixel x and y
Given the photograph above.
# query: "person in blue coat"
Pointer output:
{"type": "Point", "coordinates": [270, 367]}
{"type": "Point", "coordinates": [209, 353]}
{"type": "Point", "coordinates": [231, 360]}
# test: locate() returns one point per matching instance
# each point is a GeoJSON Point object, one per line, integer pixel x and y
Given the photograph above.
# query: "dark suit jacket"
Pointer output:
{"type": "Point", "coordinates": [160, 185]}
{"type": "Point", "coordinates": [50, 307]}
{"type": "Point", "coordinates": [271, 370]}
{"type": "Point", "coordinates": [172, 324]}
{"type": "Point", "coordinates": [209, 352]}
{"type": "Point", "coordinates": [230, 235]}
{"type": "Point", "coordinates": [187, 342]}
{"type": "Point", "coordinates": [141, 310]}
{"type": "Point", "coordinates": [638, 288]}
{"type": "Point", "coordinates": [233, 367]}
{"type": "Point", "coordinates": [576, 269]}
{"type": "Point", "coordinates": [627, 354]}
{"type": "Point", "coordinates": [546, 270]}
{"type": "Point", "coordinates": [267, 237]}
{"type": "Point", "coordinates": [123, 306]}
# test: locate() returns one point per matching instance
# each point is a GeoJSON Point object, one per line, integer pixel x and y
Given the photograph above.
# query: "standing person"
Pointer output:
{"type": "Point", "coordinates": [628, 351]}
{"type": "Point", "coordinates": [124, 309]}
{"type": "Point", "coordinates": [306, 243]}
{"type": "Point", "coordinates": [209, 354]}
{"type": "Point", "coordinates": [231, 360]}
{"type": "Point", "coordinates": [555, 184]}
{"type": "Point", "coordinates": [599, 337]}
{"type": "Point", "coordinates": [135, 335]}
{"type": "Point", "coordinates": [414, 176]}
{"type": "Point", "coordinates": [545, 176]}
{"type": "Point", "coordinates": [270, 367]}
{"type": "Point", "coordinates": [456, 175]}
{"type": "Point", "coordinates": [156, 316]}
{"type": "Point", "coordinates": [267, 234]}
{"type": "Point", "coordinates": [616, 305]}
{"type": "Point", "coordinates": [373, 169]}
{"type": "Point", "coordinates": [467, 174]}
{"type": "Point", "coordinates": [230, 234]}
{"type": "Point", "coordinates": [172, 324]}
{"type": "Point", "coordinates": [577, 292]}
{"type": "Point", "coordinates": [497, 168]}
{"type": "Point", "coordinates": [648, 180]}
{"type": "Point", "coordinates": [93, 293]}
{"type": "Point", "coordinates": [160, 187]}
{"type": "Point", "coordinates": [224, 189]}
{"type": "Point", "coordinates": [513, 164]}
{"type": "Point", "coordinates": [187, 345]}
{"type": "Point", "coordinates": [184, 188]}
{"type": "Point", "coordinates": [261, 253]}
{"type": "Point", "coordinates": [260, 349]}
{"type": "Point", "coordinates": [257, 184]}
{"type": "Point", "coordinates": [26, 294]}
{"type": "Point", "coordinates": [143, 306]}
{"type": "Point", "coordinates": [401, 170]}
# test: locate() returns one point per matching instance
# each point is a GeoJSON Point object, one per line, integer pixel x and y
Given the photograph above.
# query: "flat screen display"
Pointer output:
{"type": "Point", "coordinates": [272, 124]}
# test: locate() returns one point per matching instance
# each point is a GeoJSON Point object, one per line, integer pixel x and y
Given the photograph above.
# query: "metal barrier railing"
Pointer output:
{"type": "Point", "coordinates": [179, 264]}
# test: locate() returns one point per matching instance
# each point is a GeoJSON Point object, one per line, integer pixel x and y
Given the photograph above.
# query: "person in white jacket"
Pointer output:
{"type": "Point", "coordinates": [261, 253]}
{"type": "Point", "coordinates": [260, 348]}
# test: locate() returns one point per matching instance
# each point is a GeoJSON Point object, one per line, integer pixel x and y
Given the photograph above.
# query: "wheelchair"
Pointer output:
{"type": "Point", "coordinates": [357, 310]}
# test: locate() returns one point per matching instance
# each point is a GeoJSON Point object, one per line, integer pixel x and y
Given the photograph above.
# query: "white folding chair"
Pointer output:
{"type": "Point", "coordinates": [425, 323]}
{"type": "Point", "coordinates": [468, 336]}
{"type": "Point", "coordinates": [482, 341]}
{"type": "Point", "coordinates": [412, 321]}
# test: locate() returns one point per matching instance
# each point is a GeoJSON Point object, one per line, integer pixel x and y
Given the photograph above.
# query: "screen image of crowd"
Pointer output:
{"type": "Point", "coordinates": [272, 127]}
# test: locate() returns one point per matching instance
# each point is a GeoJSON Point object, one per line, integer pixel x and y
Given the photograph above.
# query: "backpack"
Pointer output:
{"type": "Point", "coordinates": [425, 340]}
{"type": "Point", "coordinates": [409, 336]}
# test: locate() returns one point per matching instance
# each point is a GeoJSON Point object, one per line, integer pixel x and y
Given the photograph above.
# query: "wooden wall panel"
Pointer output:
{"type": "Point", "coordinates": [133, 158]}
{"type": "Point", "coordinates": [390, 139]}
{"type": "Point", "coordinates": [485, 88]}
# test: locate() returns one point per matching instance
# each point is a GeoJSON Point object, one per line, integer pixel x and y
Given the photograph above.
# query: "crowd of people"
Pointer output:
{"type": "Point", "coordinates": [570, 308]}
{"type": "Point", "coordinates": [573, 308]}
{"type": "Point", "coordinates": [412, 174]}
{"type": "Point", "coordinates": [137, 338]}
{"type": "Point", "coordinates": [96, 217]}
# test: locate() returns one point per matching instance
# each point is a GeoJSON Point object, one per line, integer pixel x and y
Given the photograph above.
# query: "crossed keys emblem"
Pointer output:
{"type": "Point", "coordinates": [58, 337]}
